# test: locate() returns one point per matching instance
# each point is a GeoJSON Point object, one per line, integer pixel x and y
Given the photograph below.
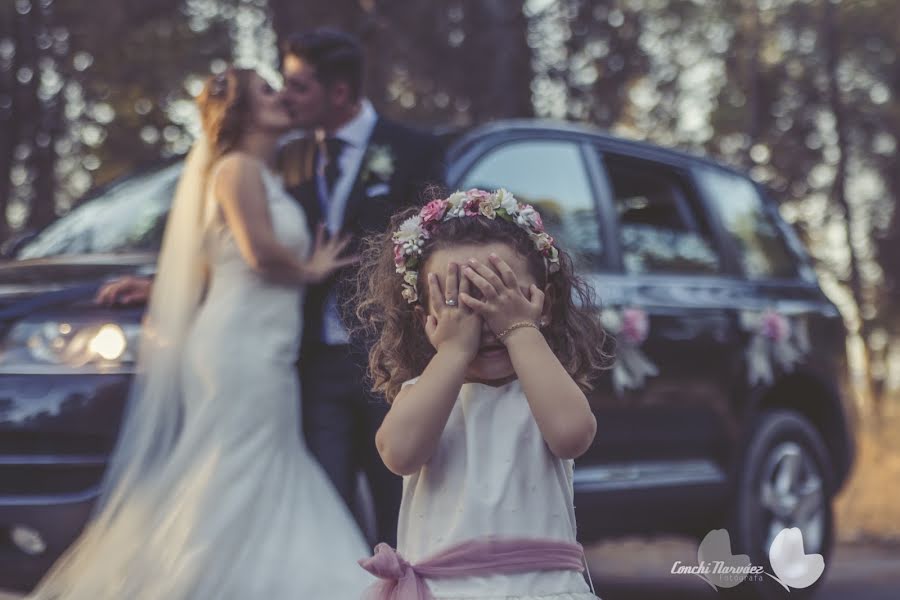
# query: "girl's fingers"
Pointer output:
{"type": "Point", "coordinates": [435, 294]}
{"type": "Point", "coordinates": [480, 282]}
{"type": "Point", "coordinates": [465, 287]}
{"type": "Point", "coordinates": [488, 274]}
{"type": "Point", "coordinates": [506, 273]}
{"type": "Point", "coordinates": [470, 302]}
{"type": "Point", "coordinates": [430, 325]}
{"type": "Point", "coordinates": [451, 288]}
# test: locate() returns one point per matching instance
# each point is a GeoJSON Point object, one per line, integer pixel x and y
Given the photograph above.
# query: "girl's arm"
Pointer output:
{"type": "Point", "coordinates": [240, 191]}
{"type": "Point", "coordinates": [559, 406]}
{"type": "Point", "coordinates": [412, 428]}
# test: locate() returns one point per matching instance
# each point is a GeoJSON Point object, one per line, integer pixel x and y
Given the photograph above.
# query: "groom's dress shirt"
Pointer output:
{"type": "Point", "coordinates": [355, 137]}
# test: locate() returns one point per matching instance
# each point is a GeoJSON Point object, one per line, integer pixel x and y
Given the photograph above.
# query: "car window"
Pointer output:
{"type": "Point", "coordinates": [551, 176]}
{"type": "Point", "coordinates": [128, 217]}
{"type": "Point", "coordinates": [661, 229]}
{"type": "Point", "coordinates": [763, 251]}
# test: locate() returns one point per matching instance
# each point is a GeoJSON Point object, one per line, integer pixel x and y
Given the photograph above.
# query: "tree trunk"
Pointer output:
{"type": "Point", "coordinates": [9, 123]}
{"type": "Point", "coordinates": [831, 36]}
{"type": "Point", "coordinates": [43, 157]}
{"type": "Point", "coordinates": [754, 104]}
{"type": "Point", "coordinates": [498, 60]}
{"type": "Point", "coordinates": [352, 16]}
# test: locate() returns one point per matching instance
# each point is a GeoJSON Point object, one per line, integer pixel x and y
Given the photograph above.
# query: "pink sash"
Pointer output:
{"type": "Point", "coordinates": [403, 581]}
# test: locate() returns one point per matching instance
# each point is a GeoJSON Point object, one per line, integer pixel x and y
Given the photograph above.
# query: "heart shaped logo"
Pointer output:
{"type": "Point", "coordinates": [793, 567]}
{"type": "Point", "coordinates": [730, 569]}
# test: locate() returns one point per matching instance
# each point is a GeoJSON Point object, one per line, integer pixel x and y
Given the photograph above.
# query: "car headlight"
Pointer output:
{"type": "Point", "coordinates": [74, 344]}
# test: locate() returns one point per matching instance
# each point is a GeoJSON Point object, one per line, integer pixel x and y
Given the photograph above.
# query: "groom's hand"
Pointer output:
{"type": "Point", "coordinates": [127, 290]}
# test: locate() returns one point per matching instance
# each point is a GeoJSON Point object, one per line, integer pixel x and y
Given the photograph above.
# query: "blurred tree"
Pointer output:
{"type": "Point", "coordinates": [80, 106]}
{"type": "Point", "coordinates": [10, 120]}
{"type": "Point", "coordinates": [445, 62]}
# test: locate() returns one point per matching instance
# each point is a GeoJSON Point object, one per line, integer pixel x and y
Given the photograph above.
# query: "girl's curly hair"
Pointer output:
{"type": "Point", "coordinates": [400, 350]}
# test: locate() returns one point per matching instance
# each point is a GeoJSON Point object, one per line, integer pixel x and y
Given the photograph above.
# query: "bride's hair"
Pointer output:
{"type": "Point", "coordinates": [225, 109]}
{"type": "Point", "coordinates": [389, 325]}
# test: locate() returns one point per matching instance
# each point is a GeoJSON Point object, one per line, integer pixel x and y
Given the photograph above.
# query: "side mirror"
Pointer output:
{"type": "Point", "coordinates": [10, 248]}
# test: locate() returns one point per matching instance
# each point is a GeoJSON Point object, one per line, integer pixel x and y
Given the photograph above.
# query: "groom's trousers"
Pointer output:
{"type": "Point", "coordinates": [340, 418]}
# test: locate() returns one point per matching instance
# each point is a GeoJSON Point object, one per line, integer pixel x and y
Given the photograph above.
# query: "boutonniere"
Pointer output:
{"type": "Point", "coordinates": [379, 162]}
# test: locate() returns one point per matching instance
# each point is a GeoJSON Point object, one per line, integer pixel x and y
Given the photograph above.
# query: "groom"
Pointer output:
{"type": "Point", "coordinates": [351, 169]}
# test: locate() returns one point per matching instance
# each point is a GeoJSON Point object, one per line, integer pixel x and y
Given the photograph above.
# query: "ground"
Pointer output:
{"type": "Point", "coordinates": [866, 563]}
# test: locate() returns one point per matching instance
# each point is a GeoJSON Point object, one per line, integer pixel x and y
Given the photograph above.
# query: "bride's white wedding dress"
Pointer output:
{"type": "Point", "coordinates": [240, 510]}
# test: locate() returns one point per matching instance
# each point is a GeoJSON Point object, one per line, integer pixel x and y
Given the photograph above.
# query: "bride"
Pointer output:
{"type": "Point", "coordinates": [211, 493]}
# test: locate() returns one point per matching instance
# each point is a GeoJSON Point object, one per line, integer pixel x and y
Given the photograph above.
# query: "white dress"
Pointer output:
{"type": "Point", "coordinates": [491, 474]}
{"type": "Point", "coordinates": [241, 510]}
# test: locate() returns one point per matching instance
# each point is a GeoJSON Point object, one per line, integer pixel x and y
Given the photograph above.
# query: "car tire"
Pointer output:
{"type": "Point", "coordinates": [785, 464]}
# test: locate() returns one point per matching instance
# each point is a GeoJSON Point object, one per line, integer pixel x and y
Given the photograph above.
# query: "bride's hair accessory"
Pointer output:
{"type": "Point", "coordinates": [219, 84]}
{"type": "Point", "coordinates": [411, 235]}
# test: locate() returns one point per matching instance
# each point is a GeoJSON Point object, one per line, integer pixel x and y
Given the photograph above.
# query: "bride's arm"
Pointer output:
{"type": "Point", "coordinates": [240, 191]}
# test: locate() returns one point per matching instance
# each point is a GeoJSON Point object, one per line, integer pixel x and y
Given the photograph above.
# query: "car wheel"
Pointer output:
{"type": "Point", "coordinates": [785, 481]}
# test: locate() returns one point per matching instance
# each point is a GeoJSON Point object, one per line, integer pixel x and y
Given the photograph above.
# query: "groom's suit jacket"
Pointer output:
{"type": "Point", "coordinates": [398, 166]}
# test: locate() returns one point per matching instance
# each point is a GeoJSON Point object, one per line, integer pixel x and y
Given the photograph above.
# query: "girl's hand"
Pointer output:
{"type": "Point", "coordinates": [326, 256]}
{"type": "Point", "coordinates": [450, 325]}
{"type": "Point", "coordinates": [503, 302]}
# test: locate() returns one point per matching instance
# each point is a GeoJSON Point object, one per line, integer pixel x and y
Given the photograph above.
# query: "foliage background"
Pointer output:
{"type": "Point", "coordinates": [803, 94]}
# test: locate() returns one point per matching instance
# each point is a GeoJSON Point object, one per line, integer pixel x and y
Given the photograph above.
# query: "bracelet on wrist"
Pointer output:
{"type": "Point", "coordinates": [519, 325]}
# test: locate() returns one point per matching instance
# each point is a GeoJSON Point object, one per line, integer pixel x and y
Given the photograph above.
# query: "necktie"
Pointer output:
{"type": "Point", "coordinates": [333, 149]}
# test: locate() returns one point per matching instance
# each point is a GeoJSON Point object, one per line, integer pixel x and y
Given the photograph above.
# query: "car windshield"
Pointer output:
{"type": "Point", "coordinates": [127, 217]}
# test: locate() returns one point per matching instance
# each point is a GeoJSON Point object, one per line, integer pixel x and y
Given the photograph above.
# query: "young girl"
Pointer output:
{"type": "Point", "coordinates": [486, 343]}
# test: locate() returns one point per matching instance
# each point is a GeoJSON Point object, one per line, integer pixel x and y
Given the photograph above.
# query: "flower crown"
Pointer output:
{"type": "Point", "coordinates": [412, 233]}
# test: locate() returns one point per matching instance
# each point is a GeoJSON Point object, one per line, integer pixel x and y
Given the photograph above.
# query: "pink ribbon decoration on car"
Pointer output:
{"type": "Point", "coordinates": [401, 580]}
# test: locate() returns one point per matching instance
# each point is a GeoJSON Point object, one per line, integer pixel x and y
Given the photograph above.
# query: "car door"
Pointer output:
{"type": "Point", "coordinates": [673, 419]}
{"type": "Point", "coordinates": [780, 278]}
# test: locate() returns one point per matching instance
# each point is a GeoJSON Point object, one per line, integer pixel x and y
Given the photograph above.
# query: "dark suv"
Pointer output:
{"type": "Point", "coordinates": [724, 409]}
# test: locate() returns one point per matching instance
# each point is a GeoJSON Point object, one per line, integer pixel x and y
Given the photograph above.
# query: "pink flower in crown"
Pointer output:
{"type": "Point", "coordinates": [775, 326]}
{"type": "Point", "coordinates": [399, 258]}
{"type": "Point", "coordinates": [480, 195]}
{"type": "Point", "coordinates": [434, 211]}
{"type": "Point", "coordinates": [635, 326]}
{"type": "Point", "coordinates": [474, 200]}
{"type": "Point", "coordinates": [529, 217]}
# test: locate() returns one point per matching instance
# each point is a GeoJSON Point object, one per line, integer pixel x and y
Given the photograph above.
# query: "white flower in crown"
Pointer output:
{"type": "Point", "coordinates": [507, 202]}
{"type": "Point", "coordinates": [456, 200]}
{"type": "Point", "coordinates": [409, 294]}
{"type": "Point", "coordinates": [411, 277]}
{"type": "Point", "coordinates": [380, 161]}
{"type": "Point", "coordinates": [410, 230]}
{"type": "Point", "coordinates": [487, 209]}
{"type": "Point", "coordinates": [542, 241]}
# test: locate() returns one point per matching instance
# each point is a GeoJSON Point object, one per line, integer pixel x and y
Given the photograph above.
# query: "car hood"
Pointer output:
{"type": "Point", "coordinates": [24, 278]}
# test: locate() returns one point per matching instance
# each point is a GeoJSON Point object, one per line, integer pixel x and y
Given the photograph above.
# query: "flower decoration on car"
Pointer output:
{"type": "Point", "coordinates": [776, 341]}
{"type": "Point", "coordinates": [630, 327]}
{"type": "Point", "coordinates": [411, 235]}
